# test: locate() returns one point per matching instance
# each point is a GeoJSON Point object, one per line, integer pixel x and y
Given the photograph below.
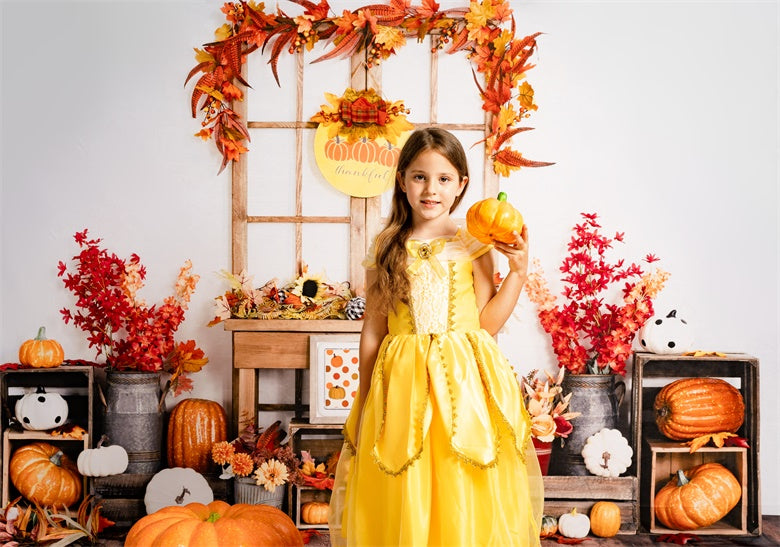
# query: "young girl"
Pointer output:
{"type": "Point", "coordinates": [437, 446]}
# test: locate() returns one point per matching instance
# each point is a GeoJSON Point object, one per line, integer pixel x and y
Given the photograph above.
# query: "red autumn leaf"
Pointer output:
{"type": "Point", "coordinates": [736, 441]}
{"type": "Point", "coordinates": [679, 539]}
{"type": "Point", "coordinates": [104, 523]}
{"type": "Point", "coordinates": [567, 541]}
{"type": "Point", "coordinates": [306, 535]}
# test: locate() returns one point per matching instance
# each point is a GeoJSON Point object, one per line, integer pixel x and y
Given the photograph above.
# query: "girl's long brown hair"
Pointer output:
{"type": "Point", "coordinates": [392, 282]}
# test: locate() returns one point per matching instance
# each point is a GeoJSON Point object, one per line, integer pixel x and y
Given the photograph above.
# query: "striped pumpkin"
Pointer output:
{"type": "Point", "coordinates": [195, 425]}
{"type": "Point", "coordinates": [691, 407]}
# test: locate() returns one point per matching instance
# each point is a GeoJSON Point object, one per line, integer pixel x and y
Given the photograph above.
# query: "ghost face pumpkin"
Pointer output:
{"type": "Point", "coordinates": [666, 334]}
{"type": "Point", "coordinates": [40, 410]}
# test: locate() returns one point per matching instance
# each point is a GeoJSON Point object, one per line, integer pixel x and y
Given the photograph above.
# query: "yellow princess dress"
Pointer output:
{"type": "Point", "coordinates": [444, 456]}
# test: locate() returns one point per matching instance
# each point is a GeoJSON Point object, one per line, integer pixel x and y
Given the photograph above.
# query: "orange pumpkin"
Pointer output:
{"type": "Point", "coordinates": [217, 524]}
{"type": "Point", "coordinates": [41, 352]}
{"type": "Point", "coordinates": [44, 475]}
{"type": "Point", "coordinates": [195, 425]}
{"type": "Point", "coordinates": [691, 407]}
{"type": "Point", "coordinates": [337, 392]}
{"type": "Point", "coordinates": [698, 497]}
{"type": "Point", "coordinates": [314, 512]}
{"type": "Point", "coordinates": [605, 519]}
{"type": "Point", "coordinates": [337, 149]}
{"type": "Point", "coordinates": [494, 219]}
{"type": "Point", "coordinates": [364, 150]}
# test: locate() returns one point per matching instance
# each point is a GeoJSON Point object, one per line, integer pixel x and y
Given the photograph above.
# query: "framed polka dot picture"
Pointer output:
{"type": "Point", "coordinates": [333, 377]}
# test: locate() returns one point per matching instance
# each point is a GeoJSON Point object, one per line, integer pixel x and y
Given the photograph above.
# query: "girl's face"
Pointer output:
{"type": "Point", "coordinates": [431, 184]}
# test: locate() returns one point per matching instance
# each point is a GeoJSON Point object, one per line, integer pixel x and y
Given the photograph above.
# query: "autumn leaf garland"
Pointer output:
{"type": "Point", "coordinates": [379, 31]}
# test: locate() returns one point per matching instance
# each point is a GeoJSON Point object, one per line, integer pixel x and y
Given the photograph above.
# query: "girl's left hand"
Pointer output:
{"type": "Point", "coordinates": [516, 252]}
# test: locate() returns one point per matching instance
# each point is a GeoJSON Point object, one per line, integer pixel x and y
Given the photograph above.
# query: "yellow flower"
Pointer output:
{"type": "Point", "coordinates": [310, 287]}
{"type": "Point", "coordinates": [271, 474]}
{"type": "Point", "coordinates": [543, 427]}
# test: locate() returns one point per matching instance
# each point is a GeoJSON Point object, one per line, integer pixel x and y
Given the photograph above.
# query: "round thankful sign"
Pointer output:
{"type": "Point", "coordinates": [362, 168]}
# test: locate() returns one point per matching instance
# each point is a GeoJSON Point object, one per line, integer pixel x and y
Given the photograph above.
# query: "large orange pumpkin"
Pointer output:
{"type": "Point", "coordinates": [698, 497]}
{"type": "Point", "coordinates": [217, 524]}
{"type": "Point", "coordinates": [494, 219]}
{"type": "Point", "coordinates": [195, 425]}
{"type": "Point", "coordinates": [44, 475]}
{"type": "Point", "coordinates": [691, 407]}
{"type": "Point", "coordinates": [41, 352]}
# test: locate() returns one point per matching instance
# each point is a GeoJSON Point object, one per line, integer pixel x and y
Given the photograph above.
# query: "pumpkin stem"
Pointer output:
{"type": "Point", "coordinates": [213, 517]}
{"type": "Point", "coordinates": [40, 389]}
{"type": "Point", "coordinates": [682, 480]}
{"type": "Point", "coordinates": [56, 458]}
{"type": "Point", "coordinates": [501, 196]}
{"type": "Point", "coordinates": [102, 441]}
{"type": "Point", "coordinates": [41, 334]}
{"type": "Point", "coordinates": [605, 458]}
{"type": "Point", "coordinates": [180, 498]}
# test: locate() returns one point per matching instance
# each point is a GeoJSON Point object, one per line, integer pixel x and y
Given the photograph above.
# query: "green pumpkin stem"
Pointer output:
{"type": "Point", "coordinates": [213, 517]}
{"type": "Point", "coordinates": [682, 480]}
{"type": "Point", "coordinates": [501, 196]}
{"type": "Point", "coordinates": [41, 334]}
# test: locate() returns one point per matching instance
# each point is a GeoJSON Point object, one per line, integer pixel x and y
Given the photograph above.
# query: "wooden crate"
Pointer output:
{"type": "Point", "coordinates": [651, 373]}
{"type": "Point", "coordinates": [667, 457]}
{"type": "Point", "coordinates": [563, 493]}
{"type": "Point", "coordinates": [123, 495]}
{"type": "Point", "coordinates": [320, 440]}
{"type": "Point", "coordinates": [74, 383]}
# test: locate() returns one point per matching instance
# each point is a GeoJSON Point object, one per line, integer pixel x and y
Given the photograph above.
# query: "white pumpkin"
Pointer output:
{"type": "Point", "coordinates": [40, 410]}
{"type": "Point", "coordinates": [607, 453]}
{"type": "Point", "coordinates": [574, 524]}
{"type": "Point", "coordinates": [176, 486]}
{"type": "Point", "coordinates": [102, 461]}
{"type": "Point", "coordinates": [666, 334]}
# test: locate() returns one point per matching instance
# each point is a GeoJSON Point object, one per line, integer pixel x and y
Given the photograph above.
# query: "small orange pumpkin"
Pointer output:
{"type": "Point", "coordinates": [691, 407]}
{"type": "Point", "coordinates": [605, 519]}
{"type": "Point", "coordinates": [494, 219]}
{"type": "Point", "coordinates": [337, 149]}
{"type": "Point", "coordinates": [217, 524]}
{"type": "Point", "coordinates": [314, 512]}
{"type": "Point", "coordinates": [44, 475]}
{"type": "Point", "coordinates": [193, 427]}
{"type": "Point", "coordinates": [698, 497]}
{"type": "Point", "coordinates": [364, 150]}
{"type": "Point", "coordinates": [41, 352]}
{"type": "Point", "coordinates": [337, 392]}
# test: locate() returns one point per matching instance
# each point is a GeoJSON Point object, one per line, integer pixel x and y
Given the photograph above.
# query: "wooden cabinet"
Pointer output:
{"type": "Point", "coordinates": [657, 457]}
{"type": "Point", "coordinates": [74, 383]}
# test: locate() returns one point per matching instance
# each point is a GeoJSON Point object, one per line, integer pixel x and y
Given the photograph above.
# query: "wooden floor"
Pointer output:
{"type": "Point", "coordinates": [770, 537]}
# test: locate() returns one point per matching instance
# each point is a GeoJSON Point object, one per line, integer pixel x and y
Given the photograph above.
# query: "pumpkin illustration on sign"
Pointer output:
{"type": "Point", "coordinates": [358, 141]}
{"type": "Point", "coordinates": [341, 374]}
{"type": "Point", "coordinates": [494, 219]}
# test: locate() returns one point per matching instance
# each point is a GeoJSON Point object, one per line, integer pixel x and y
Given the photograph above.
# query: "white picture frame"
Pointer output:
{"type": "Point", "coordinates": [333, 376]}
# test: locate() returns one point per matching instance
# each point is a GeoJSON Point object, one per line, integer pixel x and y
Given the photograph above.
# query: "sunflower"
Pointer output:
{"type": "Point", "coordinates": [310, 288]}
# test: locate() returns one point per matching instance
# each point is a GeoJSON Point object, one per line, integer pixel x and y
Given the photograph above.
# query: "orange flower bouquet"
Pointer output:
{"type": "Point", "coordinates": [547, 406]}
{"type": "Point", "coordinates": [259, 453]}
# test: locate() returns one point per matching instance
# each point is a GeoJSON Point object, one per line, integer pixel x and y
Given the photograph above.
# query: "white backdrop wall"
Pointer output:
{"type": "Point", "coordinates": [660, 116]}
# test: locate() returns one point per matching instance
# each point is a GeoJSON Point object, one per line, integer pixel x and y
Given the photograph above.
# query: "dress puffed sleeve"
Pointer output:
{"type": "Point", "coordinates": [471, 246]}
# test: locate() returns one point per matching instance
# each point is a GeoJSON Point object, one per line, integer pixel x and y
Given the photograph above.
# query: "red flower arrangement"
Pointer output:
{"type": "Point", "coordinates": [131, 335]}
{"type": "Point", "coordinates": [588, 335]}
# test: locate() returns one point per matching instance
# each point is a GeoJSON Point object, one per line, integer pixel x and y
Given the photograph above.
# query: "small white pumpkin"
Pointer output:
{"type": "Point", "coordinates": [666, 334]}
{"type": "Point", "coordinates": [176, 486]}
{"type": "Point", "coordinates": [607, 453]}
{"type": "Point", "coordinates": [102, 460]}
{"type": "Point", "coordinates": [574, 524]}
{"type": "Point", "coordinates": [40, 410]}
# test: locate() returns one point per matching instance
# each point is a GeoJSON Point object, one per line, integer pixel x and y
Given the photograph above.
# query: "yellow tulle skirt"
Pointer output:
{"type": "Point", "coordinates": [443, 456]}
